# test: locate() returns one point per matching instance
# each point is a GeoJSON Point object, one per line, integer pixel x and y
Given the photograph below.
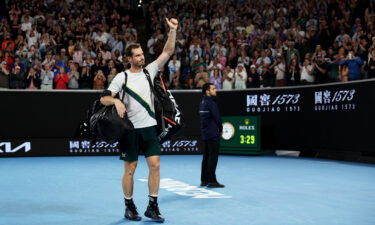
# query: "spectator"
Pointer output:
{"type": "Point", "coordinates": [73, 75]}
{"type": "Point", "coordinates": [240, 77]}
{"type": "Point", "coordinates": [4, 75]}
{"type": "Point", "coordinates": [354, 64]}
{"type": "Point", "coordinates": [371, 64]}
{"type": "Point", "coordinates": [216, 79]}
{"type": "Point", "coordinates": [307, 76]}
{"type": "Point", "coordinates": [320, 69]}
{"type": "Point", "coordinates": [201, 78]}
{"type": "Point", "coordinates": [174, 66]}
{"type": "Point", "coordinates": [112, 75]}
{"type": "Point", "coordinates": [263, 61]}
{"type": "Point", "coordinates": [46, 78]}
{"type": "Point", "coordinates": [279, 70]}
{"type": "Point", "coordinates": [33, 79]}
{"type": "Point", "coordinates": [294, 72]}
{"type": "Point", "coordinates": [253, 80]}
{"type": "Point", "coordinates": [99, 80]}
{"type": "Point", "coordinates": [85, 80]}
{"type": "Point", "coordinates": [61, 79]}
{"type": "Point", "coordinates": [16, 78]}
{"type": "Point", "coordinates": [228, 78]}
{"type": "Point", "coordinates": [234, 32]}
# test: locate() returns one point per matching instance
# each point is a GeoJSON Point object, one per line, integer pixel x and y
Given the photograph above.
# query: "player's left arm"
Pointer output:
{"type": "Point", "coordinates": [169, 46]}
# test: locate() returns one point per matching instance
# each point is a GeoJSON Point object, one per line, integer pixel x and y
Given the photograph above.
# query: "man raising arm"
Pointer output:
{"type": "Point", "coordinates": [139, 105]}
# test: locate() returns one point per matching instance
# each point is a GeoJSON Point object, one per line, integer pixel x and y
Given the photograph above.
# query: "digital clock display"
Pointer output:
{"type": "Point", "coordinates": [241, 135]}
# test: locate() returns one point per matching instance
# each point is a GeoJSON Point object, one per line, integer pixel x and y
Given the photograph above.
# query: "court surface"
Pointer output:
{"type": "Point", "coordinates": [264, 190]}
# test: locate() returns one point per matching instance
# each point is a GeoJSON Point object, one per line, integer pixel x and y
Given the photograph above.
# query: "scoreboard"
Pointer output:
{"type": "Point", "coordinates": [241, 135]}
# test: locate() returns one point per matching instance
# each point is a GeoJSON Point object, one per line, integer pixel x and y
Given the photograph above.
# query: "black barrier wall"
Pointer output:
{"type": "Point", "coordinates": [335, 117]}
{"type": "Point", "coordinates": [339, 117]}
{"type": "Point", "coordinates": [40, 123]}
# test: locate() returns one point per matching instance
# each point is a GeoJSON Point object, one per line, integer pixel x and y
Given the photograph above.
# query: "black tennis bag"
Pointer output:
{"type": "Point", "coordinates": [168, 114]}
{"type": "Point", "coordinates": [106, 124]}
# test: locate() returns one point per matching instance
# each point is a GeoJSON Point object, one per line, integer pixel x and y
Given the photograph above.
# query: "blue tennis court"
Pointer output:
{"type": "Point", "coordinates": [259, 190]}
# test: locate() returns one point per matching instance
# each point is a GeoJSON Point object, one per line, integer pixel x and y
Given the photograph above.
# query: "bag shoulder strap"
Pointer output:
{"type": "Point", "coordinates": [150, 83]}
{"type": "Point", "coordinates": [124, 87]}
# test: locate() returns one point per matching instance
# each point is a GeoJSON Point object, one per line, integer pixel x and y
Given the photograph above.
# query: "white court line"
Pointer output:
{"type": "Point", "coordinates": [181, 188]}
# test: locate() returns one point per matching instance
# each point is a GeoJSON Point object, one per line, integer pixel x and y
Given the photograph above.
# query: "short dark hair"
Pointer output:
{"type": "Point", "coordinates": [129, 49]}
{"type": "Point", "coordinates": [206, 87]}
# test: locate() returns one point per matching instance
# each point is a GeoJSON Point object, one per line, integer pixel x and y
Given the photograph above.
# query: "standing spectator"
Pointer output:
{"type": "Point", "coordinates": [49, 60]}
{"type": "Point", "coordinates": [174, 66]}
{"type": "Point", "coordinates": [61, 79]}
{"type": "Point", "coordinates": [73, 75]}
{"type": "Point", "coordinates": [307, 76]}
{"type": "Point", "coordinates": [150, 45]}
{"type": "Point", "coordinates": [240, 77]}
{"type": "Point", "coordinates": [294, 72]}
{"type": "Point", "coordinates": [253, 80]}
{"type": "Point", "coordinates": [201, 77]}
{"type": "Point", "coordinates": [47, 77]}
{"type": "Point", "coordinates": [33, 79]}
{"type": "Point", "coordinates": [111, 75]}
{"type": "Point", "coordinates": [279, 70]}
{"type": "Point", "coordinates": [78, 55]}
{"type": "Point", "coordinates": [99, 80]}
{"type": "Point", "coordinates": [263, 61]}
{"type": "Point", "coordinates": [228, 78]}
{"type": "Point", "coordinates": [354, 64]}
{"type": "Point", "coordinates": [8, 59]}
{"type": "Point", "coordinates": [371, 64]}
{"type": "Point", "coordinates": [216, 79]}
{"type": "Point", "coordinates": [4, 75]}
{"type": "Point", "coordinates": [290, 52]}
{"type": "Point", "coordinates": [85, 80]}
{"type": "Point", "coordinates": [16, 78]}
{"type": "Point", "coordinates": [320, 70]}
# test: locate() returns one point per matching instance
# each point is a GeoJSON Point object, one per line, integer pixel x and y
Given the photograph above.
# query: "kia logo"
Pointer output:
{"type": "Point", "coordinates": [6, 147]}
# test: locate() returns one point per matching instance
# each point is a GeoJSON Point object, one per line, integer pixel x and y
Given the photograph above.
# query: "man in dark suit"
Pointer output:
{"type": "Point", "coordinates": [211, 128]}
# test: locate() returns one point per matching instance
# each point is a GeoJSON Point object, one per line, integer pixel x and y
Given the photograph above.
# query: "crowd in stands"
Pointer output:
{"type": "Point", "coordinates": [64, 44]}
{"type": "Point", "coordinates": [250, 44]}
{"type": "Point", "coordinates": [235, 44]}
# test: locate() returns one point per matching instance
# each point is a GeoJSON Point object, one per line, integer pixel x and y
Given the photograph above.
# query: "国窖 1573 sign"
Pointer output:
{"type": "Point", "coordinates": [241, 135]}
